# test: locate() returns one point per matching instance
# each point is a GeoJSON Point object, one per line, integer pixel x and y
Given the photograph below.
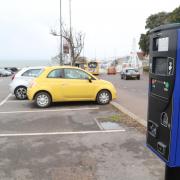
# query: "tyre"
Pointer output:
{"type": "Point", "coordinates": [121, 76]}
{"type": "Point", "coordinates": [43, 100]}
{"type": "Point", "coordinates": [21, 93]}
{"type": "Point", "coordinates": [103, 97]}
{"type": "Point", "coordinates": [138, 78]}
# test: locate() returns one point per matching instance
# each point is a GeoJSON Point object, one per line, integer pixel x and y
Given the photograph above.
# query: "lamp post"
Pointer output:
{"type": "Point", "coordinates": [70, 30]}
{"type": "Point", "coordinates": [61, 59]}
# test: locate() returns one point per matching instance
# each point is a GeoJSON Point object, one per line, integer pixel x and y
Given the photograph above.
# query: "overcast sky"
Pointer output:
{"type": "Point", "coordinates": [109, 25]}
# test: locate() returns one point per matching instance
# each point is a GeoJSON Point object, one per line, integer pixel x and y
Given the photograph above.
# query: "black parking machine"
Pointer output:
{"type": "Point", "coordinates": [163, 123]}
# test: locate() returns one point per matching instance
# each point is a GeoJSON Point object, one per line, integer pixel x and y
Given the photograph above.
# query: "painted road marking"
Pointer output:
{"type": "Point", "coordinates": [60, 133]}
{"type": "Point", "coordinates": [5, 100]}
{"type": "Point", "coordinates": [53, 110]}
{"type": "Point", "coordinates": [12, 101]}
{"type": "Point", "coordinates": [98, 124]}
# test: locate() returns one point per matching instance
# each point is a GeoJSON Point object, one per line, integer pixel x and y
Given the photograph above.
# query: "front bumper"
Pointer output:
{"type": "Point", "coordinates": [30, 94]}
{"type": "Point", "coordinates": [133, 76]}
{"type": "Point", "coordinates": [114, 94]}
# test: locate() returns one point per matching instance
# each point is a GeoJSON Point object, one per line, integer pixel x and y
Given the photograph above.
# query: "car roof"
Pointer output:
{"type": "Point", "coordinates": [34, 67]}
{"type": "Point", "coordinates": [57, 67]}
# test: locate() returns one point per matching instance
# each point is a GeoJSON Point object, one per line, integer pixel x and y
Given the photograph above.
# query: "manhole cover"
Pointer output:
{"type": "Point", "coordinates": [108, 125]}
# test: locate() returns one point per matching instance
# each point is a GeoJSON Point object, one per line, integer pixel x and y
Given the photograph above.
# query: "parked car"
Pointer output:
{"type": "Point", "coordinates": [130, 73]}
{"type": "Point", "coordinates": [21, 80]}
{"type": "Point", "coordinates": [111, 70]}
{"type": "Point", "coordinates": [64, 83]}
{"type": "Point", "coordinates": [12, 69]}
{"type": "Point", "coordinates": [5, 73]}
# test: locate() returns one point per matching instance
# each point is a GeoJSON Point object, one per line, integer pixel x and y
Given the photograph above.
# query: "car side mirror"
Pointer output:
{"type": "Point", "coordinates": [90, 79]}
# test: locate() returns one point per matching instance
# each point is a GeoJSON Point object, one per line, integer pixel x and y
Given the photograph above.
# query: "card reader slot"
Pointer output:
{"type": "Point", "coordinates": [153, 129]}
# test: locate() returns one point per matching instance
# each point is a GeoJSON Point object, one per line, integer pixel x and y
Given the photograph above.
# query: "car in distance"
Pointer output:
{"type": "Point", "coordinates": [5, 73]}
{"type": "Point", "coordinates": [12, 69]}
{"type": "Point", "coordinates": [111, 70]}
{"type": "Point", "coordinates": [67, 83]}
{"type": "Point", "coordinates": [130, 73]}
{"type": "Point", "coordinates": [21, 80]}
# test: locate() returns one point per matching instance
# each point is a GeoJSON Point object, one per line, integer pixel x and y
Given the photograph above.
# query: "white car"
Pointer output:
{"type": "Point", "coordinates": [4, 72]}
{"type": "Point", "coordinates": [21, 80]}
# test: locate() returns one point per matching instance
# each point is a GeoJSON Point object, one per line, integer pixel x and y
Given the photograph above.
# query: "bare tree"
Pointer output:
{"type": "Point", "coordinates": [75, 41]}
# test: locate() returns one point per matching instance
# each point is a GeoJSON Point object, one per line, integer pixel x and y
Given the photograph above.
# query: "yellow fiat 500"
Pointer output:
{"type": "Point", "coordinates": [64, 83]}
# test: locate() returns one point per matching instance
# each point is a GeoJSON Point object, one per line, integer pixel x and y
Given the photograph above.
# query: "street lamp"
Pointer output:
{"type": "Point", "coordinates": [70, 30]}
{"type": "Point", "coordinates": [61, 59]}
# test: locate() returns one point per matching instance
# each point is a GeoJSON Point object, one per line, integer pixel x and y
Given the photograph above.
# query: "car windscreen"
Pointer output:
{"type": "Point", "coordinates": [131, 71]}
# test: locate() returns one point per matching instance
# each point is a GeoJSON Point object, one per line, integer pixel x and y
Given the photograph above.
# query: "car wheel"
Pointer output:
{"type": "Point", "coordinates": [103, 97]}
{"type": "Point", "coordinates": [138, 78]}
{"type": "Point", "coordinates": [43, 100]}
{"type": "Point", "coordinates": [21, 93]}
{"type": "Point", "coordinates": [121, 76]}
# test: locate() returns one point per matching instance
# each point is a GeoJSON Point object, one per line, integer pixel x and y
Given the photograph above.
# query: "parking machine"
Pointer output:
{"type": "Point", "coordinates": [163, 123]}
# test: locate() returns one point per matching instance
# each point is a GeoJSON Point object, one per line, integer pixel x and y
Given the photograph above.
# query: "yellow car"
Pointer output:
{"type": "Point", "coordinates": [64, 83]}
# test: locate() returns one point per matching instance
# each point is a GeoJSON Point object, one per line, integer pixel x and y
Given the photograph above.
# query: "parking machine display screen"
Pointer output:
{"type": "Point", "coordinates": [160, 66]}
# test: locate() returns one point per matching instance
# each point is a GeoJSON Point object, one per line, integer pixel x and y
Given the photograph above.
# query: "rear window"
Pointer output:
{"type": "Point", "coordinates": [132, 71]}
{"type": "Point", "coordinates": [32, 72]}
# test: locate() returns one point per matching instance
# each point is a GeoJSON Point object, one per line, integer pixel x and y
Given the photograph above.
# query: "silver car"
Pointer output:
{"type": "Point", "coordinates": [4, 73]}
{"type": "Point", "coordinates": [130, 73]}
{"type": "Point", "coordinates": [21, 80]}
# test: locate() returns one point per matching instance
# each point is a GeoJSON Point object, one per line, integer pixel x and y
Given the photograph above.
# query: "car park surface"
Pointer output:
{"type": "Point", "coordinates": [132, 95]}
{"type": "Point", "coordinates": [66, 142]}
{"type": "Point", "coordinates": [4, 91]}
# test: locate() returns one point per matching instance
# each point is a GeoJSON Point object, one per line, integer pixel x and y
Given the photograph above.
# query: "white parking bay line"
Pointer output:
{"type": "Point", "coordinates": [53, 110]}
{"type": "Point", "coordinates": [4, 101]}
{"type": "Point", "coordinates": [60, 133]}
{"type": "Point", "coordinates": [17, 101]}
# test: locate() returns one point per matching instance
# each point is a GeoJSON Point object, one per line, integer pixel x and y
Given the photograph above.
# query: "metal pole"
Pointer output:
{"type": "Point", "coordinates": [70, 29]}
{"type": "Point", "coordinates": [172, 173]}
{"type": "Point", "coordinates": [61, 60]}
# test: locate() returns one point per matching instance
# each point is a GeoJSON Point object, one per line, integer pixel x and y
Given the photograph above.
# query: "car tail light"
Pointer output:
{"type": "Point", "coordinates": [13, 77]}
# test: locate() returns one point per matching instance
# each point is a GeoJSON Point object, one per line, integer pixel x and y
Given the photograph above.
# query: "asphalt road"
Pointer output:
{"type": "Point", "coordinates": [69, 142]}
{"type": "Point", "coordinates": [132, 94]}
{"type": "Point", "coordinates": [4, 81]}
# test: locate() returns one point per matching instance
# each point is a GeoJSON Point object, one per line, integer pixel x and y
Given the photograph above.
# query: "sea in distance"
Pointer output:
{"type": "Point", "coordinates": [24, 63]}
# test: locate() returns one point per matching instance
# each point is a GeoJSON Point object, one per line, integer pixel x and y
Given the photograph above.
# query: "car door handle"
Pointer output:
{"type": "Point", "coordinates": [63, 84]}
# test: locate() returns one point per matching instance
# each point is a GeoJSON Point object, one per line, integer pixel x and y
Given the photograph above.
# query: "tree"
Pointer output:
{"type": "Point", "coordinates": [152, 21]}
{"type": "Point", "coordinates": [75, 41]}
{"type": "Point", "coordinates": [156, 20]}
{"type": "Point", "coordinates": [144, 43]}
{"type": "Point", "coordinates": [174, 17]}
